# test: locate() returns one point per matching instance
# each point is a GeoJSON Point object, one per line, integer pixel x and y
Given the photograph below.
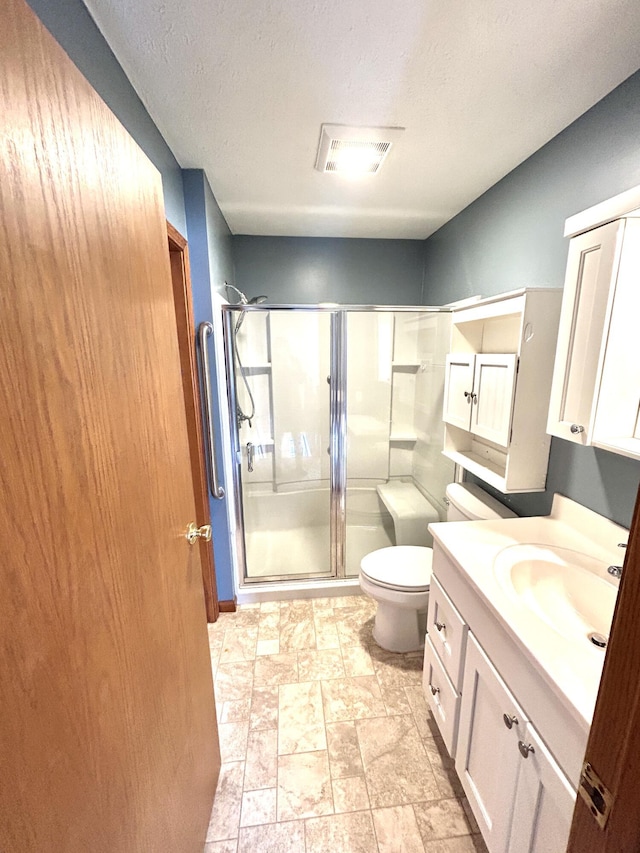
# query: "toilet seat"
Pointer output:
{"type": "Point", "coordinates": [404, 568]}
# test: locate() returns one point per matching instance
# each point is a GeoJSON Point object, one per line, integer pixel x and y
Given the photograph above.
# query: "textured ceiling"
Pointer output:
{"type": "Point", "coordinates": [241, 87]}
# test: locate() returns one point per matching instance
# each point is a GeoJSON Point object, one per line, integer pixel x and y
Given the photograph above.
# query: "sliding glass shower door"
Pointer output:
{"type": "Point", "coordinates": [281, 407]}
{"type": "Point", "coordinates": [329, 404]}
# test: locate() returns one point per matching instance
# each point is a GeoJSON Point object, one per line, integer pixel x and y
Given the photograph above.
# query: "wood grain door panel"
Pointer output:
{"type": "Point", "coordinates": [108, 731]}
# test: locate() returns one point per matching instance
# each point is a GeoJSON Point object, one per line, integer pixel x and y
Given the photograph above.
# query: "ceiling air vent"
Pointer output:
{"type": "Point", "coordinates": [354, 150]}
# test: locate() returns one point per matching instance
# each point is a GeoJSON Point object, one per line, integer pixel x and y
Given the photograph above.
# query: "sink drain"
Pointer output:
{"type": "Point", "coordinates": [598, 639]}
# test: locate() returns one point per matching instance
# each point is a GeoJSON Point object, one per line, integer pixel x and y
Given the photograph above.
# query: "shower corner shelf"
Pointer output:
{"type": "Point", "coordinates": [258, 368]}
{"type": "Point", "coordinates": [405, 365]}
{"type": "Point", "coordinates": [403, 436]}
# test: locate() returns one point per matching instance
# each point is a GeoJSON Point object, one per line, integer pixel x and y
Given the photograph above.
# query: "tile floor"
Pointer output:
{"type": "Point", "coordinates": [327, 742]}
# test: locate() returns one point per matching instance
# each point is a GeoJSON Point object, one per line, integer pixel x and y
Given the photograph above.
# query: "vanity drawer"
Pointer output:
{"type": "Point", "coordinates": [442, 698]}
{"type": "Point", "coordinates": [447, 631]}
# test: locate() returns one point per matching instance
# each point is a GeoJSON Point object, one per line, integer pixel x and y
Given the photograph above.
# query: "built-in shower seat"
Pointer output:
{"type": "Point", "coordinates": [410, 510]}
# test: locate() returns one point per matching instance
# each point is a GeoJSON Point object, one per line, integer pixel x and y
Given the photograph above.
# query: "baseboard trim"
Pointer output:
{"type": "Point", "coordinates": [228, 606]}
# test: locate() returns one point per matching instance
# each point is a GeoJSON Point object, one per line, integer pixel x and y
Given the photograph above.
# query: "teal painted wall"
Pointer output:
{"type": "Point", "coordinates": [512, 237]}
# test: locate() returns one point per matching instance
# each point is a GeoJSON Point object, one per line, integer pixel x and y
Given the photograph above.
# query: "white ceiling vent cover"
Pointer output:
{"type": "Point", "coordinates": [354, 150]}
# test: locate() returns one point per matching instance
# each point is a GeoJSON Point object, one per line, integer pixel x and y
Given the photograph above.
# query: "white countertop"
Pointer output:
{"type": "Point", "coordinates": [571, 667]}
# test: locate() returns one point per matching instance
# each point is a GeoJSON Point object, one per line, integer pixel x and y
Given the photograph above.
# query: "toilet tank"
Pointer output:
{"type": "Point", "coordinates": [468, 502]}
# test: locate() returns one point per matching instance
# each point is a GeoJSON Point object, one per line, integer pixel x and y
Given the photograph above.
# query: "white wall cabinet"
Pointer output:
{"type": "Point", "coordinates": [497, 385]}
{"type": "Point", "coordinates": [519, 795]}
{"type": "Point", "coordinates": [479, 394]}
{"type": "Point", "coordinates": [595, 397]}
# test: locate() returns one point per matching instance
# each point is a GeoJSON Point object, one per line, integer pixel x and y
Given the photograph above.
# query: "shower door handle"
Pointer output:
{"type": "Point", "coordinates": [204, 330]}
{"type": "Point", "coordinates": [250, 455]}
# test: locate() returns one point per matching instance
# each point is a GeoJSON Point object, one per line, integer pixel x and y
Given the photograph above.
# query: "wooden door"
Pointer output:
{"type": "Point", "coordinates": [458, 387]}
{"type": "Point", "coordinates": [108, 741]}
{"type": "Point", "coordinates": [494, 387]}
{"type": "Point", "coordinates": [487, 756]}
{"type": "Point", "coordinates": [181, 280]}
{"type": "Point", "coordinates": [613, 748]}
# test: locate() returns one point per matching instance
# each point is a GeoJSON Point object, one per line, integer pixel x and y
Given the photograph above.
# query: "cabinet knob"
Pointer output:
{"type": "Point", "coordinates": [525, 749]}
{"type": "Point", "coordinates": [576, 428]}
{"type": "Point", "coordinates": [509, 720]}
{"type": "Point", "coordinates": [468, 395]}
{"type": "Point", "coordinates": [440, 626]}
{"type": "Point", "coordinates": [434, 690]}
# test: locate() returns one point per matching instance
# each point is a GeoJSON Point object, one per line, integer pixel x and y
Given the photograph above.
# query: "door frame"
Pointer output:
{"type": "Point", "coordinates": [613, 747]}
{"type": "Point", "coordinates": [186, 330]}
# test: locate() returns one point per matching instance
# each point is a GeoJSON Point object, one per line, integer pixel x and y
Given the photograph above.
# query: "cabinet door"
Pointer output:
{"type": "Point", "coordinates": [487, 755]}
{"type": "Point", "coordinates": [591, 265]}
{"type": "Point", "coordinates": [458, 387]}
{"type": "Point", "coordinates": [441, 696]}
{"type": "Point", "coordinates": [493, 391]}
{"type": "Point", "coordinates": [544, 802]}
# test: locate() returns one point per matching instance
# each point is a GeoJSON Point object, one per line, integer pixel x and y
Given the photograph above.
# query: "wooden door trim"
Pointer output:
{"type": "Point", "coordinates": [613, 748]}
{"type": "Point", "coordinates": [181, 279]}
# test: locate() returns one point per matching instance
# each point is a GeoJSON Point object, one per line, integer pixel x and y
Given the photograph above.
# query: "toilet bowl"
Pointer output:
{"type": "Point", "coordinates": [398, 577]}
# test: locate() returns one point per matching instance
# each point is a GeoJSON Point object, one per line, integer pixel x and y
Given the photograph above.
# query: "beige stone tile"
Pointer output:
{"type": "Point", "coordinates": [261, 769]}
{"type": "Point", "coordinates": [269, 607]}
{"type": "Point", "coordinates": [229, 846]}
{"type": "Point", "coordinates": [344, 751]}
{"type": "Point", "coordinates": [246, 617]}
{"type": "Point", "coordinates": [342, 602]}
{"type": "Point", "coordinates": [304, 785]}
{"type": "Point", "coordinates": [352, 698]}
{"type": "Point", "coordinates": [397, 830]}
{"type": "Point", "coordinates": [239, 644]}
{"type": "Point", "coordinates": [396, 766]}
{"type": "Point", "coordinates": [268, 647]}
{"type": "Point", "coordinates": [349, 794]}
{"type": "Point", "coordinates": [462, 844]}
{"type": "Point", "coordinates": [236, 711]}
{"type": "Point", "coordinates": [234, 681]}
{"type": "Point", "coordinates": [275, 669]}
{"type": "Point", "coordinates": [397, 670]}
{"type": "Point", "coordinates": [295, 635]}
{"type": "Point", "coordinates": [269, 625]}
{"type": "Point", "coordinates": [315, 665]}
{"type": "Point", "coordinates": [354, 628]}
{"type": "Point", "coordinates": [273, 838]}
{"type": "Point", "coordinates": [258, 807]}
{"type": "Point", "coordinates": [326, 634]}
{"type": "Point", "coordinates": [225, 817]}
{"type": "Point", "coordinates": [233, 741]}
{"type": "Point", "coordinates": [420, 710]}
{"type": "Point", "coordinates": [344, 833]}
{"type": "Point", "coordinates": [322, 604]}
{"type": "Point", "coordinates": [395, 700]}
{"type": "Point", "coordinates": [264, 708]}
{"type": "Point", "coordinates": [441, 819]}
{"type": "Point", "coordinates": [300, 718]}
{"type": "Point", "coordinates": [357, 661]}
{"type": "Point", "coordinates": [443, 768]}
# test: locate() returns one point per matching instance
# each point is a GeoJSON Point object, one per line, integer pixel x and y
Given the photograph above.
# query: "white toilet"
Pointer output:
{"type": "Point", "coordinates": [398, 577]}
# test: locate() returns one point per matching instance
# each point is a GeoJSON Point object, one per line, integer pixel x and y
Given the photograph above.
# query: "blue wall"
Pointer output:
{"type": "Point", "coordinates": [322, 269]}
{"type": "Point", "coordinates": [73, 28]}
{"type": "Point", "coordinates": [512, 237]}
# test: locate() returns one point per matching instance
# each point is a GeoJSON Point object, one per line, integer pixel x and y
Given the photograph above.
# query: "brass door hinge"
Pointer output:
{"type": "Point", "coordinates": [595, 794]}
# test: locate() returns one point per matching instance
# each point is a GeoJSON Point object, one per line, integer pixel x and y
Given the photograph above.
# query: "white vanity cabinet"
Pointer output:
{"type": "Point", "coordinates": [519, 795]}
{"type": "Point", "coordinates": [497, 384]}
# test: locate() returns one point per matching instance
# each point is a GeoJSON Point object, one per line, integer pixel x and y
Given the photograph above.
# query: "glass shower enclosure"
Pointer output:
{"type": "Point", "coordinates": [327, 403]}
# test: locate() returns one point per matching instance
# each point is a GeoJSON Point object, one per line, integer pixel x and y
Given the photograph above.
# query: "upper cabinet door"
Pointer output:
{"type": "Point", "coordinates": [591, 268]}
{"type": "Point", "coordinates": [492, 402]}
{"type": "Point", "coordinates": [458, 389]}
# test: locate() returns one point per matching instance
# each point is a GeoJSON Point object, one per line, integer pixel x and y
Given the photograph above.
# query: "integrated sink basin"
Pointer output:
{"type": "Point", "coordinates": [565, 589]}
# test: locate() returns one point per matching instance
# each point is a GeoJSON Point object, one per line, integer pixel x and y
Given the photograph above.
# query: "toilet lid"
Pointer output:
{"type": "Point", "coordinates": [402, 567]}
